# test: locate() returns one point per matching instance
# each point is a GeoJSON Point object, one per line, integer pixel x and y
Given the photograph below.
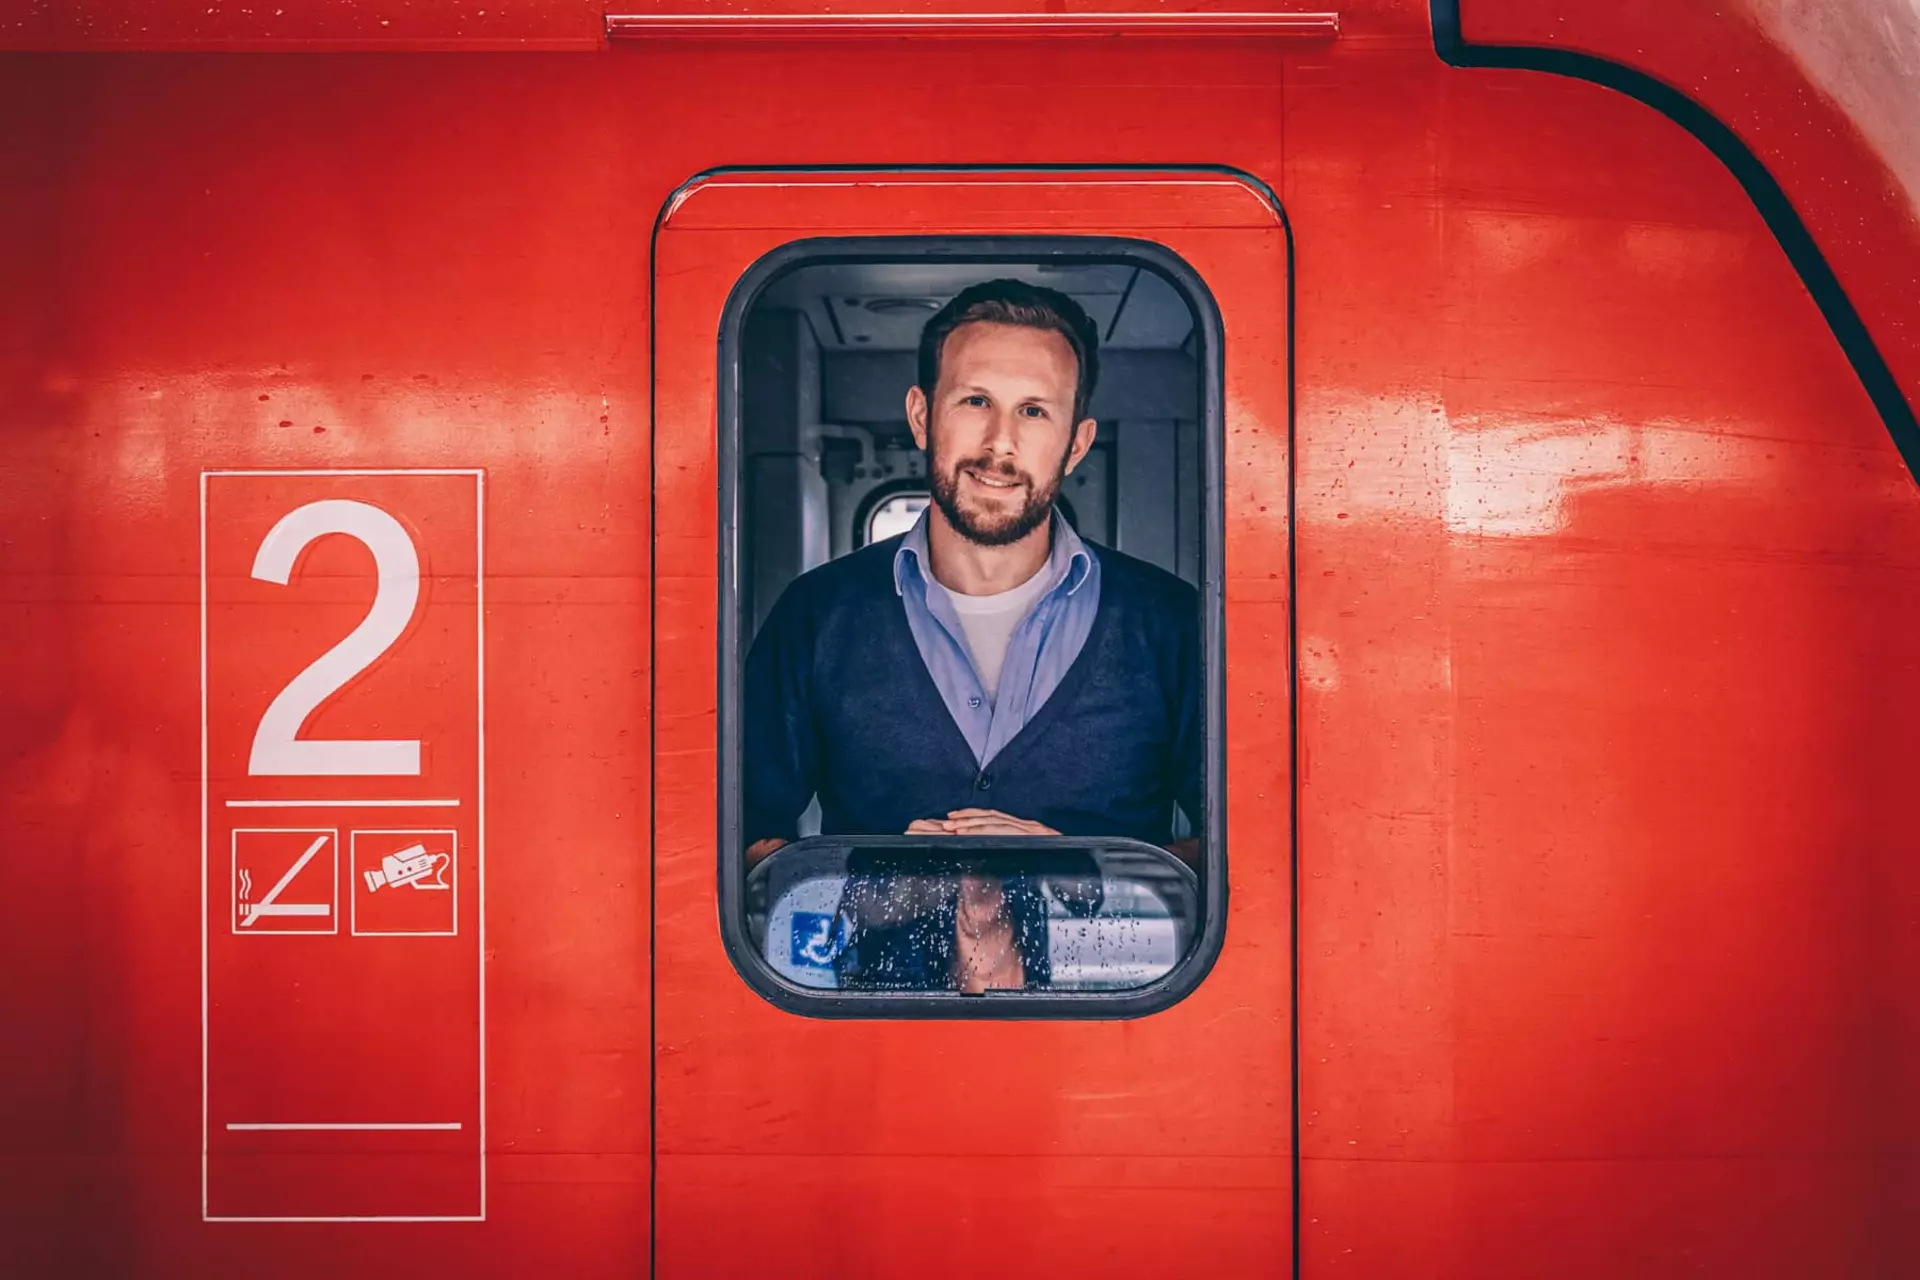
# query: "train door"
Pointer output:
{"type": "Point", "coordinates": [1140, 1134]}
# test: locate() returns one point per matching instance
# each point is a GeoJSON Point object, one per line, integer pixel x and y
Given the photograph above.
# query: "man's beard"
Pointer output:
{"type": "Point", "coordinates": [993, 529]}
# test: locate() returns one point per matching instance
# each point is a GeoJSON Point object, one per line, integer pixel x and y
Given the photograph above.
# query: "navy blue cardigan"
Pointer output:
{"type": "Point", "coordinates": [839, 703]}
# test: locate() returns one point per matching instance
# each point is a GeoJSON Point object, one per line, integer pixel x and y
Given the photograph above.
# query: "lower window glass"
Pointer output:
{"type": "Point", "coordinates": [888, 915]}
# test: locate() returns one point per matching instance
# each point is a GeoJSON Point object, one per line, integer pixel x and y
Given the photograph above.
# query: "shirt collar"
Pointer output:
{"type": "Point", "coordinates": [1068, 561]}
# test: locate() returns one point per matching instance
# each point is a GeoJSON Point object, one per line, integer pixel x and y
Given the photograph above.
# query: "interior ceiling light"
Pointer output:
{"type": "Point", "coordinates": [899, 306]}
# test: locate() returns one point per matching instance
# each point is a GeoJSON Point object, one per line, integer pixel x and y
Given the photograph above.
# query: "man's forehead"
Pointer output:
{"type": "Point", "coordinates": [989, 346]}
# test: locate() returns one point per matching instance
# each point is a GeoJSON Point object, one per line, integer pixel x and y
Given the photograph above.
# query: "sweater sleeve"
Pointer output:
{"type": "Point", "coordinates": [779, 749]}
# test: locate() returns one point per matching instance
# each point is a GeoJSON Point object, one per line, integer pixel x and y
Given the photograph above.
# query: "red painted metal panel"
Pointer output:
{"type": "Point", "coordinates": [278, 298]}
{"type": "Point", "coordinates": [1043, 1142]}
{"type": "Point", "coordinates": [1605, 566]}
{"type": "Point", "coordinates": [1822, 94]}
{"type": "Point", "coordinates": [547, 25]}
{"type": "Point", "coordinates": [1606, 705]}
{"type": "Point", "coordinates": [583, 25]}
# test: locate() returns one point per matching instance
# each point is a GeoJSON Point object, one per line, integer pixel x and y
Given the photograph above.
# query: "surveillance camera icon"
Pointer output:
{"type": "Point", "coordinates": [412, 865]}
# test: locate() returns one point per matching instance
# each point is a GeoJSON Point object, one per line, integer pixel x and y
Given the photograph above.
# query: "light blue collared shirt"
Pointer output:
{"type": "Point", "coordinates": [1043, 646]}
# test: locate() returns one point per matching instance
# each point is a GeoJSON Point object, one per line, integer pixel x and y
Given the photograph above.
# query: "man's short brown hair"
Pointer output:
{"type": "Point", "coordinates": [1029, 306]}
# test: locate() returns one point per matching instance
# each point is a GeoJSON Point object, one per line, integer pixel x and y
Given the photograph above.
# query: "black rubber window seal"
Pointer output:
{"type": "Point", "coordinates": [1762, 188]}
{"type": "Point", "coordinates": [1193, 967]}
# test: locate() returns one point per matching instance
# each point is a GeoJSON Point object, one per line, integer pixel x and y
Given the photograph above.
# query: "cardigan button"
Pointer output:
{"type": "Point", "coordinates": [984, 782]}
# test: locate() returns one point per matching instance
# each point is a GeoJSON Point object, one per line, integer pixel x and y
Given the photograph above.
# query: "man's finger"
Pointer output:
{"type": "Point", "coordinates": [982, 813]}
{"type": "Point", "coordinates": [1001, 819]}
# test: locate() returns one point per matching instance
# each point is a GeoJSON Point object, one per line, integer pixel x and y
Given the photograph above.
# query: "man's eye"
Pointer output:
{"type": "Point", "coordinates": [976, 401]}
{"type": "Point", "coordinates": [1033, 411]}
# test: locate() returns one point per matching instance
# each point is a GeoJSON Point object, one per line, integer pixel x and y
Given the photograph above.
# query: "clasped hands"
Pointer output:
{"type": "Point", "coordinates": [960, 822]}
{"type": "Point", "coordinates": [979, 822]}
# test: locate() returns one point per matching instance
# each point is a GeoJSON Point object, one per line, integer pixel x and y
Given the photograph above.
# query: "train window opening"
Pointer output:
{"type": "Point", "coordinates": [969, 745]}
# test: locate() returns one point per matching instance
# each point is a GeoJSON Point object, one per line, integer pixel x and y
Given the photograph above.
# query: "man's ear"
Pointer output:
{"type": "Point", "coordinates": [1082, 441]}
{"type": "Point", "coordinates": [917, 416]}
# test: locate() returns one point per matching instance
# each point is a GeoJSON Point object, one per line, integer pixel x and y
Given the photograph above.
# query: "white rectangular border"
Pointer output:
{"type": "Point", "coordinates": [233, 874]}
{"type": "Point", "coordinates": [480, 821]}
{"type": "Point", "coordinates": [353, 881]}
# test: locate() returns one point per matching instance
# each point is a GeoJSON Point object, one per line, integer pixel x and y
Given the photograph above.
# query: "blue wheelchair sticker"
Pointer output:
{"type": "Point", "coordinates": [817, 940]}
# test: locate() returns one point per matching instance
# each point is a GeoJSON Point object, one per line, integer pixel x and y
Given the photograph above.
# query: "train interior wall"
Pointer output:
{"type": "Point", "coordinates": [829, 464]}
{"type": "Point", "coordinates": [828, 354]}
{"type": "Point", "coordinates": [1606, 584]}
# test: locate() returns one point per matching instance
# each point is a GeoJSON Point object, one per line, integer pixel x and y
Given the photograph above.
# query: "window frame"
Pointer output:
{"type": "Point", "coordinates": [1066, 249]}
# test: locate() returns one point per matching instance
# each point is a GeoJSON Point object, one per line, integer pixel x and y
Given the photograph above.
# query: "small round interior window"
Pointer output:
{"type": "Point", "coordinates": [896, 515]}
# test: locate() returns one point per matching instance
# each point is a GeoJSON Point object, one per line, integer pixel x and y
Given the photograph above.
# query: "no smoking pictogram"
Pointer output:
{"type": "Point", "coordinates": [285, 880]}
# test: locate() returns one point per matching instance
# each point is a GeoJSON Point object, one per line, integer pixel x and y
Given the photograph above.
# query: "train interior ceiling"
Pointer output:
{"type": "Point", "coordinates": [829, 352]}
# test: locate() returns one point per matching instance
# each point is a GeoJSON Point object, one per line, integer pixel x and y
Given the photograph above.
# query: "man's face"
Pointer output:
{"type": "Point", "coordinates": [999, 431]}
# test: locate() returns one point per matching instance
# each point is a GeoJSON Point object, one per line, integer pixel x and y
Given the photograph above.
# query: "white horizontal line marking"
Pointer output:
{"type": "Point", "coordinates": [343, 804]}
{"type": "Point", "coordinates": [394, 1217]}
{"type": "Point", "coordinates": [251, 1127]}
{"type": "Point", "coordinates": [359, 471]}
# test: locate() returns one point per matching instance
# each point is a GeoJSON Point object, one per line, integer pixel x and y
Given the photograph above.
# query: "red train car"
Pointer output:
{"type": "Point", "coordinates": [412, 412]}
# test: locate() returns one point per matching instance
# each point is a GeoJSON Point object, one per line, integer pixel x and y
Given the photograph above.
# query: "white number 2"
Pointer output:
{"type": "Point", "coordinates": [277, 751]}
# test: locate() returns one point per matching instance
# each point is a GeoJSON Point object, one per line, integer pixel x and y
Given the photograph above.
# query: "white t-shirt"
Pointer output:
{"type": "Point", "coordinates": [989, 622]}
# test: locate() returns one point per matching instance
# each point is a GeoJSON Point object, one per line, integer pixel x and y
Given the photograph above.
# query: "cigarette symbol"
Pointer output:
{"type": "Point", "coordinates": [270, 904]}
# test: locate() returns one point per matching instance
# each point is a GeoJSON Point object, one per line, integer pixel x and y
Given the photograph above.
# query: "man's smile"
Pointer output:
{"type": "Point", "coordinates": [989, 481]}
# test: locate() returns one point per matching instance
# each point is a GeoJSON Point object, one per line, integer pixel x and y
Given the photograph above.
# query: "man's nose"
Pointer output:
{"type": "Point", "coordinates": [1000, 438]}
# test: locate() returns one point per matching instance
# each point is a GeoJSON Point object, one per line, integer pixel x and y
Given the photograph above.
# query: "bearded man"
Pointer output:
{"type": "Point", "coordinates": [987, 673]}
